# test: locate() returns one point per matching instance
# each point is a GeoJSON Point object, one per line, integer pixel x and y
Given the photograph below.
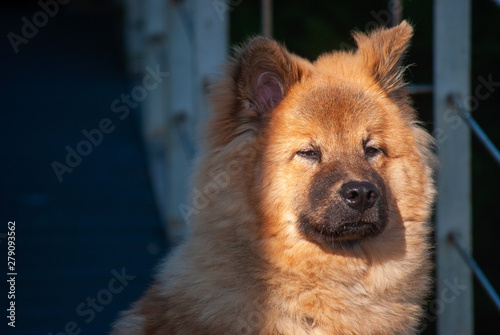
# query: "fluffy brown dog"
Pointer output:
{"type": "Point", "coordinates": [317, 187]}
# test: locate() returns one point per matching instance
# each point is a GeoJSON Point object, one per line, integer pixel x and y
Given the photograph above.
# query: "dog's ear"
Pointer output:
{"type": "Point", "coordinates": [258, 77]}
{"type": "Point", "coordinates": [382, 51]}
{"type": "Point", "coordinates": [265, 71]}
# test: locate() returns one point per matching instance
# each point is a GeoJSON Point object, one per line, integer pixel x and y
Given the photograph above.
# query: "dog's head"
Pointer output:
{"type": "Point", "coordinates": [336, 155]}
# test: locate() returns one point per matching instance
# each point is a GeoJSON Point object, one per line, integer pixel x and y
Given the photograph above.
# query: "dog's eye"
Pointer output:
{"type": "Point", "coordinates": [372, 151]}
{"type": "Point", "coordinates": [313, 155]}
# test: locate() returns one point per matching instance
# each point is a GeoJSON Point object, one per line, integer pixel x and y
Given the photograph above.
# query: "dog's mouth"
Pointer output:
{"type": "Point", "coordinates": [348, 231]}
{"type": "Point", "coordinates": [330, 234]}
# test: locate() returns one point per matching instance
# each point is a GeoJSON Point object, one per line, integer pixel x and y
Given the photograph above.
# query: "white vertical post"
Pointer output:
{"type": "Point", "coordinates": [154, 118]}
{"type": "Point", "coordinates": [181, 102]}
{"type": "Point", "coordinates": [266, 17]}
{"type": "Point", "coordinates": [134, 38]}
{"type": "Point", "coordinates": [212, 33]}
{"type": "Point", "coordinates": [197, 48]}
{"type": "Point", "coordinates": [154, 108]}
{"type": "Point", "coordinates": [189, 41]}
{"type": "Point", "coordinates": [396, 9]}
{"type": "Point", "coordinates": [454, 296]}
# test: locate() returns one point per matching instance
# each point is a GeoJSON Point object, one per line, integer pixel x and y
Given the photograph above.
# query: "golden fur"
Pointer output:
{"type": "Point", "coordinates": [285, 136]}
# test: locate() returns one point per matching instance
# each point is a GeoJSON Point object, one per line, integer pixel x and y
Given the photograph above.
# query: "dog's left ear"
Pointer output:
{"type": "Point", "coordinates": [382, 51]}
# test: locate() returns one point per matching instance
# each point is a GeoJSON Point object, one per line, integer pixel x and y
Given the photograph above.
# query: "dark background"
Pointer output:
{"type": "Point", "coordinates": [71, 235]}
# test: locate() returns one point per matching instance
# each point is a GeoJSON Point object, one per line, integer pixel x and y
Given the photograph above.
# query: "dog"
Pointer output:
{"type": "Point", "coordinates": [317, 188]}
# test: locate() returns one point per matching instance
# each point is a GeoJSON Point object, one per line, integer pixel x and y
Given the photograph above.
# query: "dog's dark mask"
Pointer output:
{"type": "Point", "coordinates": [343, 209]}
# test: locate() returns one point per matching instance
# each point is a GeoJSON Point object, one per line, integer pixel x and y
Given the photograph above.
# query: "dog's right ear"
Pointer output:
{"type": "Point", "coordinates": [257, 79]}
{"type": "Point", "coordinates": [265, 71]}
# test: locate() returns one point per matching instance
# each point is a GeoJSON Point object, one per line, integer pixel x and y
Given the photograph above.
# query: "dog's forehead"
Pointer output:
{"type": "Point", "coordinates": [335, 95]}
{"type": "Point", "coordinates": [337, 104]}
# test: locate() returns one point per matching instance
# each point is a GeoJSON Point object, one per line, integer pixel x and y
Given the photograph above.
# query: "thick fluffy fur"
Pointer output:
{"type": "Point", "coordinates": [285, 136]}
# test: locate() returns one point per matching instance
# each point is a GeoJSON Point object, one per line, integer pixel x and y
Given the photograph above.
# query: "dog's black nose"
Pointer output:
{"type": "Point", "coordinates": [359, 195]}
